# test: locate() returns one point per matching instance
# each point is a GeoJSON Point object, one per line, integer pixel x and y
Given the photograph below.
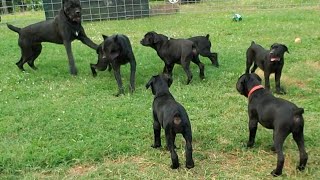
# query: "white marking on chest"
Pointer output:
{"type": "Point", "coordinates": [77, 33]}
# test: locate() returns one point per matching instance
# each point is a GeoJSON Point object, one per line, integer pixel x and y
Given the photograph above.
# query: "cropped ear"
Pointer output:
{"type": "Point", "coordinates": [207, 36]}
{"type": "Point", "coordinates": [286, 49]}
{"type": "Point", "coordinates": [257, 77]}
{"type": "Point", "coordinates": [104, 37]}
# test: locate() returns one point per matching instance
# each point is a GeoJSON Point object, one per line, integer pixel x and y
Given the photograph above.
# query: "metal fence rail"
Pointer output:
{"type": "Point", "coordinates": [94, 10]}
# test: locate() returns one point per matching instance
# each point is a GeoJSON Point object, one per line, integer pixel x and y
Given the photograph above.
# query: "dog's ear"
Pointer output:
{"type": "Point", "coordinates": [150, 82]}
{"type": "Point", "coordinates": [257, 77]}
{"type": "Point", "coordinates": [168, 78]}
{"type": "Point", "coordinates": [240, 86]}
{"type": "Point", "coordinates": [104, 37]}
{"type": "Point", "coordinates": [286, 49]}
{"type": "Point", "coordinates": [156, 38]}
{"type": "Point", "coordinates": [207, 36]}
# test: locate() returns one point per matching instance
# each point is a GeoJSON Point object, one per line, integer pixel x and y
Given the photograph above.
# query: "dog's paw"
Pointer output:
{"type": "Point", "coordinates": [156, 145]}
{"type": "Point", "coordinates": [190, 165]}
{"type": "Point", "coordinates": [250, 144]}
{"type": "Point", "coordinates": [174, 166]}
{"type": "Point", "coordinates": [275, 173]}
{"type": "Point", "coordinates": [301, 167]}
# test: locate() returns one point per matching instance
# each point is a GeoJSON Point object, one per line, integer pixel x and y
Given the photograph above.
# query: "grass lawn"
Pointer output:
{"type": "Point", "coordinates": [54, 125]}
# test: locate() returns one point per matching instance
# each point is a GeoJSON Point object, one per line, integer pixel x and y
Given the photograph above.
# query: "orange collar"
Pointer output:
{"type": "Point", "coordinates": [254, 89]}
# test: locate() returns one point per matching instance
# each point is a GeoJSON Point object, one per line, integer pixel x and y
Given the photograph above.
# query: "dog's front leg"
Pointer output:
{"type": "Point", "coordinates": [267, 80]}
{"type": "Point", "coordinates": [85, 40]}
{"type": "Point", "coordinates": [156, 131]}
{"type": "Point", "coordinates": [72, 66]}
{"type": "Point", "coordinates": [117, 75]}
{"type": "Point", "coordinates": [132, 73]}
{"type": "Point", "coordinates": [277, 77]}
{"type": "Point", "coordinates": [253, 125]}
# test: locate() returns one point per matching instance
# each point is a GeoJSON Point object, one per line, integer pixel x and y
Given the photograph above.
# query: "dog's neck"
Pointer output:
{"type": "Point", "coordinates": [252, 90]}
{"type": "Point", "coordinates": [162, 93]}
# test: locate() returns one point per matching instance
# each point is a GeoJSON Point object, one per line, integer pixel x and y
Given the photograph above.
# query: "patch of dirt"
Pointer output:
{"type": "Point", "coordinates": [80, 170]}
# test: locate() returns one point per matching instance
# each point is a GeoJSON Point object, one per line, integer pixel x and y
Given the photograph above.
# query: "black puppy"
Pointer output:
{"type": "Point", "coordinates": [203, 47]}
{"type": "Point", "coordinates": [172, 117]}
{"type": "Point", "coordinates": [270, 61]}
{"type": "Point", "coordinates": [63, 29]}
{"type": "Point", "coordinates": [274, 113]}
{"type": "Point", "coordinates": [174, 51]}
{"type": "Point", "coordinates": [115, 51]}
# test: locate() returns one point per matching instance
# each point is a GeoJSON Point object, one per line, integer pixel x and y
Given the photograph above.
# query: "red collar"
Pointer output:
{"type": "Point", "coordinates": [254, 89]}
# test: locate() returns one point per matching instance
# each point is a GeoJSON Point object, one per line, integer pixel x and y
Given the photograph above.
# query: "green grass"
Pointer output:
{"type": "Point", "coordinates": [54, 125]}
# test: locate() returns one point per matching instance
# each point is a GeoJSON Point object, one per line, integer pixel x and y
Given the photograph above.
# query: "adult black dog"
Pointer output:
{"type": "Point", "coordinates": [174, 51]}
{"type": "Point", "coordinates": [270, 61]}
{"type": "Point", "coordinates": [203, 47]}
{"type": "Point", "coordinates": [172, 117]}
{"type": "Point", "coordinates": [274, 113]}
{"type": "Point", "coordinates": [63, 29]}
{"type": "Point", "coordinates": [115, 51]}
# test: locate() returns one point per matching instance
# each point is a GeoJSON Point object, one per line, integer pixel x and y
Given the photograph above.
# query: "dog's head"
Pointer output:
{"type": "Point", "coordinates": [159, 82]}
{"type": "Point", "coordinates": [110, 48]}
{"type": "Point", "coordinates": [277, 51]}
{"type": "Point", "coordinates": [72, 10]}
{"type": "Point", "coordinates": [246, 82]}
{"type": "Point", "coordinates": [152, 38]}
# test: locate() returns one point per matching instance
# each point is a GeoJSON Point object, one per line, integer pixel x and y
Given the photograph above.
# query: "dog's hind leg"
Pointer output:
{"type": "Point", "coordinates": [253, 69]}
{"type": "Point", "coordinates": [279, 137]}
{"type": "Point", "coordinates": [299, 139]}
{"type": "Point", "coordinates": [170, 136]}
{"type": "Point", "coordinates": [26, 55]}
{"type": "Point", "coordinates": [188, 149]}
{"type": "Point", "coordinates": [196, 60]}
{"type": "Point", "coordinates": [186, 67]}
{"type": "Point", "coordinates": [250, 60]}
{"type": "Point", "coordinates": [36, 52]}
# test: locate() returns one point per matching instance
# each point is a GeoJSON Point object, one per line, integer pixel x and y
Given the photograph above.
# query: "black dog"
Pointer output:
{"type": "Point", "coordinates": [174, 51]}
{"type": "Point", "coordinates": [203, 47]}
{"type": "Point", "coordinates": [274, 113]}
{"type": "Point", "coordinates": [172, 117]}
{"type": "Point", "coordinates": [270, 61]}
{"type": "Point", "coordinates": [115, 51]}
{"type": "Point", "coordinates": [63, 29]}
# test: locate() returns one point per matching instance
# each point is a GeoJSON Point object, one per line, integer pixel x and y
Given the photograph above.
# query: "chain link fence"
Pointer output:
{"type": "Point", "coordinates": [96, 10]}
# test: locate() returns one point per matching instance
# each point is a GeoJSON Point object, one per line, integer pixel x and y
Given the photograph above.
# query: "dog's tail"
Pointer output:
{"type": "Point", "coordinates": [207, 36]}
{"type": "Point", "coordinates": [298, 111]}
{"type": "Point", "coordinates": [177, 119]}
{"type": "Point", "coordinates": [298, 120]}
{"type": "Point", "coordinates": [13, 28]}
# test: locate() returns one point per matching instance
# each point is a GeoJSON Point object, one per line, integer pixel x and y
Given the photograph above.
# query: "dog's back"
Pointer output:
{"type": "Point", "coordinates": [171, 114]}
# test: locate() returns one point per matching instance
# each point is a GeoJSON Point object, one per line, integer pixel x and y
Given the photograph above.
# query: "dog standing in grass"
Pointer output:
{"type": "Point", "coordinates": [63, 29]}
{"type": "Point", "coordinates": [269, 61]}
{"type": "Point", "coordinates": [172, 117]}
{"type": "Point", "coordinates": [274, 113]}
{"type": "Point", "coordinates": [203, 45]}
{"type": "Point", "coordinates": [113, 52]}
